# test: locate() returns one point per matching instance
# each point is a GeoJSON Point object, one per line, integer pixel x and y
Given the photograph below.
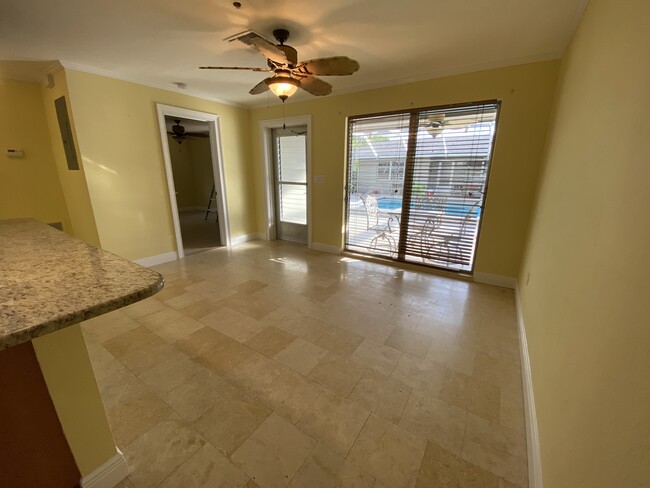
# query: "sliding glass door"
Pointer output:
{"type": "Point", "coordinates": [417, 181]}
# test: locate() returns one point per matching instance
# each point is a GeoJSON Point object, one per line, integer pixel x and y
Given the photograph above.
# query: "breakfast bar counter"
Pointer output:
{"type": "Point", "coordinates": [49, 281]}
{"type": "Point", "coordinates": [53, 427]}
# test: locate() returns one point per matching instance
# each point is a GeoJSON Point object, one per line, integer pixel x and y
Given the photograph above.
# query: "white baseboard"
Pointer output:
{"type": "Point", "coordinates": [532, 435]}
{"type": "Point", "coordinates": [245, 238]}
{"type": "Point", "coordinates": [497, 280]}
{"type": "Point", "coordinates": [108, 474]}
{"type": "Point", "coordinates": [159, 259]}
{"type": "Point", "coordinates": [319, 246]}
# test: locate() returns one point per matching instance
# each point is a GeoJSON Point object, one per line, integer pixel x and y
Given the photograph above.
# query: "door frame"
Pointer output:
{"type": "Point", "coordinates": [217, 169]}
{"type": "Point", "coordinates": [266, 146]}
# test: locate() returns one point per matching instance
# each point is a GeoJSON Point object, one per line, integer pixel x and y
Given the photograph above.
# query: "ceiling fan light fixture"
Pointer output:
{"type": "Point", "coordinates": [283, 86]}
{"type": "Point", "coordinates": [178, 131]}
{"type": "Point", "coordinates": [289, 73]}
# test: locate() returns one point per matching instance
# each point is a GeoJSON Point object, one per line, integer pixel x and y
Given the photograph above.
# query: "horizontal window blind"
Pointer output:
{"type": "Point", "coordinates": [377, 158]}
{"type": "Point", "coordinates": [427, 171]}
{"type": "Point", "coordinates": [448, 177]}
{"type": "Point", "coordinates": [292, 178]}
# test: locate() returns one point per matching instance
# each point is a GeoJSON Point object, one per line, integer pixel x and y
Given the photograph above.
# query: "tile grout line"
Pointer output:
{"type": "Point", "coordinates": [347, 453]}
{"type": "Point", "coordinates": [405, 404]}
{"type": "Point", "coordinates": [306, 457]}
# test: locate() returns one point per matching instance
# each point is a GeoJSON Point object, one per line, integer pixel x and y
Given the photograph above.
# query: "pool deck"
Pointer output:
{"type": "Point", "coordinates": [360, 238]}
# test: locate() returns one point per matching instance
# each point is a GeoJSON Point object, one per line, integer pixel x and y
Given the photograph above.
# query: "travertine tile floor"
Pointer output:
{"type": "Point", "coordinates": [271, 365]}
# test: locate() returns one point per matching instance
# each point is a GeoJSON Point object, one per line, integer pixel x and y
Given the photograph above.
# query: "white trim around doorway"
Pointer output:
{"type": "Point", "coordinates": [266, 140]}
{"type": "Point", "coordinates": [217, 169]}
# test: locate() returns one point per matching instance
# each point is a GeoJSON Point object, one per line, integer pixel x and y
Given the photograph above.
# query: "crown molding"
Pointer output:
{"type": "Point", "coordinates": [431, 75]}
{"type": "Point", "coordinates": [152, 84]}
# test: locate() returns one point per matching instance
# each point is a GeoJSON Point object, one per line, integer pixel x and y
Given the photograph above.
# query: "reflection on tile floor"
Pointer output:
{"type": "Point", "coordinates": [269, 365]}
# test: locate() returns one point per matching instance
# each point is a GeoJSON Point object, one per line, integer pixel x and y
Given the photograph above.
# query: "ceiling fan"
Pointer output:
{"type": "Point", "coordinates": [179, 135]}
{"type": "Point", "coordinates": [438, 122]}
{"type": "Point", "coordinates": [289, 74]}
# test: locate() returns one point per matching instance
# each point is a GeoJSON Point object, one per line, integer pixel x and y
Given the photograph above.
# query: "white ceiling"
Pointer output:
{"type": "Point", "coordinates": [161, 42]}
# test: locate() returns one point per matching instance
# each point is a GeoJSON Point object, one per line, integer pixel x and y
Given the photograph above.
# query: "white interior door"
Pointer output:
{"type": "Point", "coordinates": [290, 171]}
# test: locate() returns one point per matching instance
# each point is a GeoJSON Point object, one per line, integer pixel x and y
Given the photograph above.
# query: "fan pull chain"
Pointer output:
{"type": "Point", "coordinates": [284, 126]}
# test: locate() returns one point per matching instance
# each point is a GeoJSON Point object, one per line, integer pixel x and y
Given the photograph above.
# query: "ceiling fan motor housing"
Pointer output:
{"type": "Point", "coordinates": [178, 128]}
{"type": "Point", "coordinates": [281, 35]}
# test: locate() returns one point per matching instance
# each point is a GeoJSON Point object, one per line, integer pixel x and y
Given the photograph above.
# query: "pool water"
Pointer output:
{"type": "Point", "coordinates": [393, 203]}
{"type": "Point", "coordinates": [389, 203]}
{"type": "Point", "coordinates": [461, 210]}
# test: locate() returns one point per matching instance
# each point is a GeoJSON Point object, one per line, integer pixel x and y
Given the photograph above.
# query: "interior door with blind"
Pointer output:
{"type": "Point", "coordinates": [417, 182]}
{"type": "Point", "coordinates": [290, 171]}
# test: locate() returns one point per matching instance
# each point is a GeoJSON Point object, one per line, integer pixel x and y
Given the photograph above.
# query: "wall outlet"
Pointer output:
{"type": "Point", "coordinates": [319, 179]}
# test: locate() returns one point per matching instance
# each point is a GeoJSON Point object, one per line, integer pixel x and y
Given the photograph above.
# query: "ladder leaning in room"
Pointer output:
{"type": "Point", "coordinates": [212, 201]}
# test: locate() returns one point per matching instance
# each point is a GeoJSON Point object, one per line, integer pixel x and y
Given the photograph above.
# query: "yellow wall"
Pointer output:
{"type": "Point", "coordinates": [527, 94]}
{"type": "Point", "coordinates": [70, 379]}
{"type": "Point", "coordinates": [120, 146]}
{"type": "Point", "coordinates": [73, 182]}
{"type": "Point", "coordinates": [588, 255]}
{"type": "Point", "coordinates": [29, 186]}
{"type": "Point", "coordinates": [119, 198]}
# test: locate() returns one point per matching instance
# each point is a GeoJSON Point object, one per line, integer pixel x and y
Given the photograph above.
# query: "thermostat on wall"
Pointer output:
{"type": "Point", "coordinates": [15, 153]}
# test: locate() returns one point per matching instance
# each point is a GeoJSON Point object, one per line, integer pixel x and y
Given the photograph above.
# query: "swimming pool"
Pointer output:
{"type": "Point", "coordinates": [389, 203]}
{"type": "Point", "coordinates": [393, 203]}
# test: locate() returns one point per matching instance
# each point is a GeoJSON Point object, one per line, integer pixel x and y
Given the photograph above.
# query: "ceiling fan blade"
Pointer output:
{"type": "Point", "coordinates": [235, 67]}
{"type": "Point", "coordinates": [266, 47]}
{"type": "Point", "coordinates": [270, 51]}
{"type": "Point", "coordinates": [198, 135]}
{"type": "Point", "coordinates": [261, 87]}
{"type": "Point", "coordinates": [334, 66]}
{"type": "Point", "coordinates": [315, 86]}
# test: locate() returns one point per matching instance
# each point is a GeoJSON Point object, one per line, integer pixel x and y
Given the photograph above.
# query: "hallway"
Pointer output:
{"type": "Point", "coordinates": [199, 234]}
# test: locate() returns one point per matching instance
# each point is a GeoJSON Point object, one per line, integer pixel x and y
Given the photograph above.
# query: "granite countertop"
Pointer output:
{"type": "Point", "coordinates": [49, 280]}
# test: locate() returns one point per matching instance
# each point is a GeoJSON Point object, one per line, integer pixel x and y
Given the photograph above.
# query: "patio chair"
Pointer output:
{"type": "Point", "coordinates": [429, 201]}
{"type": "Point", "coordinates": [427, 237]}
{"type": "Point", "coordinates": [452, 242]}
{"type": "Point", "coordinates": [383, 230]}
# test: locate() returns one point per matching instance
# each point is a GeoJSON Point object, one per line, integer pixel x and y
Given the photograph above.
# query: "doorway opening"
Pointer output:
{"type": "Point", "coordinates": [290, 189]}
{"type": "Point", "coordinates": [287, 169]}
{"type": "Point", "coordinates": [193, 162]}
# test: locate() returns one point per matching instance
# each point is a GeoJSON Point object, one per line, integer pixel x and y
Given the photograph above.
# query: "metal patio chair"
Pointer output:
{"type": "Point", "coordinates": [374, 222]}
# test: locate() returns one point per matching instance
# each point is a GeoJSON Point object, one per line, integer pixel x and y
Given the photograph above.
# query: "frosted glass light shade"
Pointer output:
{"type": "Point", "coordinates": [283, 86]}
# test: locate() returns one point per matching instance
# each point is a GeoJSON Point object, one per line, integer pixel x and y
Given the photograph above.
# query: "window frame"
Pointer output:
{"type": "Point", "coordinates": [413, 114]}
